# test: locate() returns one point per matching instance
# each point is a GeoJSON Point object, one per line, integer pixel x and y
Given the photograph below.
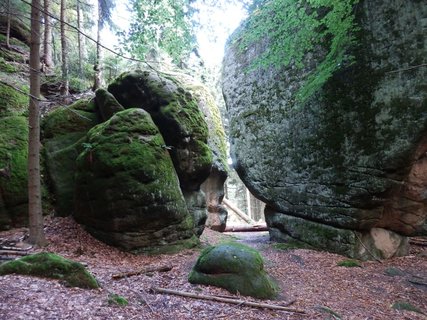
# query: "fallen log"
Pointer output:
{"type": "Point", "coordinates": [142, 271]}
{"type": "Point", "coordinates": [246, 229]}
{"type": "Point", "coordinates": [418, 241]}
{"type": "Point", "coordinates": [226, 300]}
{"type": "Point", "coordinates": [239, 212]}
{"type": "Point", "coordinates": [13, 252]}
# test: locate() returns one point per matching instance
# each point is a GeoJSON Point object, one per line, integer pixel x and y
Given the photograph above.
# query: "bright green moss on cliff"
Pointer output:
{"type": "Point", "coordinates": [11, 101]}
{"type": "Point", "coordinates": [13, 163]}
{"type": "Point", "coordinates": [294, 30]}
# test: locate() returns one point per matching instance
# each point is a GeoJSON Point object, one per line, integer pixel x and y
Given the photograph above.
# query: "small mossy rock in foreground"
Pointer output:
{"type": "Point", "coordinates": [50, 265]}
{"type": "Point", "coordinates": [127, 191]}
{"type": "Point", "coordinates": [235, 267]}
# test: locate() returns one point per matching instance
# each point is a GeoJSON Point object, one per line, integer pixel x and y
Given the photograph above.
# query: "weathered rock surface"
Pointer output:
{"type": "Point", "coordinates": [351, 156]}
{"type": "Point", "coordinates": [235, 267]}
{"type": "Point", "coordinates": [127, 190]}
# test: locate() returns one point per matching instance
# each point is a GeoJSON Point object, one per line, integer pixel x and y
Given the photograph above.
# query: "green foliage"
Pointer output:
{"type": "Point", "coordinates": [12, 101]}
{"type": "Point", "coordinates": [50, 265]}
{"type": "Point", "coordinates": [403, 305]}
{"type": "Point", "coordinates": [6, 67]}
{"type": "Point", "coordinates": [117, 300]}
{"type": "Point", "coordinates": [349, 263]}
{"type": "Point", "coordinates": [296, 28]}
{"type": "Point", "coordinates": [160, 24]}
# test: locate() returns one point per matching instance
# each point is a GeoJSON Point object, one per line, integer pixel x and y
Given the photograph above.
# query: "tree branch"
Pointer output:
{"type": "Point", "coordinates": [226, 300]}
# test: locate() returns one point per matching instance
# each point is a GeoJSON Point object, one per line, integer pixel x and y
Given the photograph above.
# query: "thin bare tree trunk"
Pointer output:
{"type": "Point", "coordinates": [64, 87]}
{"type": "Point", "coordinates": [37, 236]}
{"type": "Point", "coordinates": [8, 25]}
{"type": "Point", "coordinates": [47, 40]}
{"type": "Point", "coordinates": [79, 39]}
{"type": "Point", "coordinates": [97, 66]}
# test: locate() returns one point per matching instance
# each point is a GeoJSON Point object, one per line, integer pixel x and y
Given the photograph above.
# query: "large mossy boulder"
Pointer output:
{"type": "Point", "coordinates": [127, 190]}
{"type": "Point", "coordinates": [235, 267]}
{"type": "Point", "coordinates": [334, 135]}
{"type": "Point", "coordinates": [50, 265]}
{"type": "Point", "coordinates": [176, 113]}
{"type": "Point", "coordinates": [13, 172]}
{"type": "Point", "coordinates": [63, 132]}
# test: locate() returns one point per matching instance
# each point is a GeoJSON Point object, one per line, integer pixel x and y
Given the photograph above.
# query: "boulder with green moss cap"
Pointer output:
{"type": "Point", "coordinates": [235, 267]}
{"type": "Point", "coordinates": [50, 265]}
{"type": "Point", "coordinates": [127, 190]}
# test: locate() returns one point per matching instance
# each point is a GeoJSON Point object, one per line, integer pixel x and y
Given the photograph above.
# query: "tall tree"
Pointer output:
{"type": "Point", "coordinates": [79, 38]}
{"type": "Point", "coordinates": [34, 190]}
{"type": "Point", "coordinates": [104, 17]}
{"type": "Point", "coordinates": [160, 24]}
{"type": "Point", "coordinates": [64, 67]}
{"type": "Point", "coordinates": [8, 9]}
{"type": "Point", "coordinates": [47, 39]}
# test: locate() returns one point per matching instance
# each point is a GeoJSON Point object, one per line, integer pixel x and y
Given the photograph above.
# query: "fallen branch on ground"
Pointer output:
{"type": "Point", "coordinates": [226, 300]}
{"type": "Point", "coordinates": [142, 271]}
{"type": "Point", "coordinates": [255, 228]}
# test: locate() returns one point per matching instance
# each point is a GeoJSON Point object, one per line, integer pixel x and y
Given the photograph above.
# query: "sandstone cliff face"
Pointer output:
{"type": "Point", "coordinates": [349, 158]}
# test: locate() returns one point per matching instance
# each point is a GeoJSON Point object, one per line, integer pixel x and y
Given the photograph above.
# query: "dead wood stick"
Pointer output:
{"type": "Point", "coordinates": [142, 271]}
{"type": "Point", "coordinates": [226, 300]}
{"type": "Point", "coordinates": [239, 212]}
{"type": "Point", "coordinates": [14, 252]}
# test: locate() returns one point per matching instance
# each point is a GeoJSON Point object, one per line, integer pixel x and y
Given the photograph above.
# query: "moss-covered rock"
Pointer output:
{"type": "Point", "coordinates": [79, 117]}
{"type": "Point", "coordinates": [106, 104]}
{"type": "Point", "coordinates": [235, 267]}
{"type": "Point", "coordinates": [50, 265]}
{"type": "Point", "coordinates": [176, 113]}
{"type": "Point", "coordinates": [351, 154]}
{"type": "Point", "coordinates": [12, 102]}
{"type": "Point", "coordinates": [13, 171]}
{"type": "Point", "coordinates": [63, 130]}
{"type": "Point", "coordinates": [127, 191]}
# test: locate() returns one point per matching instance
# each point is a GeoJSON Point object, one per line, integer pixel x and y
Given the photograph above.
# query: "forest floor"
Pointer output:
{"type": "Point", "coordinates": [310, 280]}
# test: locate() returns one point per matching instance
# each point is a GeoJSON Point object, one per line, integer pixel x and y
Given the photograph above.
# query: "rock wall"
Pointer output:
{"type": "Point", "coordinates": [351, 157]}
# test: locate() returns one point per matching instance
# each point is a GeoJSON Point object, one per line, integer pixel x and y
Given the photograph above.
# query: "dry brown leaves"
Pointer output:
{"type": "Point", "coordinates": [311, 279]}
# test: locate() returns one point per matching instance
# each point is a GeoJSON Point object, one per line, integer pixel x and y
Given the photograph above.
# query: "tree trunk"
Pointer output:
{"type": "Point", "coordinates": [97, 66]}
{"type": "Point", "coordinates": [79, 39]}
{"type": "Point", "coordinates": [47, 41]}
{"type": "Point", "coordinates": [8, 25]}
{"type": "Point", "coordinates": [64, 86]}
{"type": "Point", "coordinates": [37, 236]}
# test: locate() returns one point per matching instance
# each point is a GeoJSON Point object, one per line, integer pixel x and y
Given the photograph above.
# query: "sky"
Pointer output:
{"type": "Point", "coordinates": [216, 26]}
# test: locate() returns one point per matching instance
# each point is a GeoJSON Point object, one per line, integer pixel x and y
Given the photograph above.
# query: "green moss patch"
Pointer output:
{"type": "Point", "coordinates": [50, 265]}
{"type": "Point", "coordinates": [12, 102]}
{"type": "Point", "coordinates": [79, 117]}
{"type": "Point", "coordinates": [115, 299]}
{"type": "Point", "coordinates": [13, 163]}
{"type": "Point", "coordinates": [235, 267]}
{"type": "Point", "coordinates": [403, 305]}
{"type": "Point", "coordinates": [291, 245]}
{"type": "Point", "coordinates": [349, 263]}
